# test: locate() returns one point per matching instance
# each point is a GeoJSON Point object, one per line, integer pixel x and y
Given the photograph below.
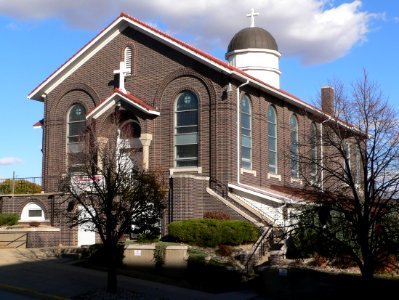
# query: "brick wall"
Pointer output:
{"type": "Point", "coordinates": [159, 74]}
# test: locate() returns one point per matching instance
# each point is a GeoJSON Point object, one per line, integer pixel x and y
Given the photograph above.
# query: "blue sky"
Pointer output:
{"type": "Point", "coordinates": [319, 40]}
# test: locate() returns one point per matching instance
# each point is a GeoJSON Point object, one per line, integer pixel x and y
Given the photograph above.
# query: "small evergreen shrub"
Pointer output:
{"type": "Point", "coordinates": [159, 254]}
{"type": "Point", "coordinates": [147, 238]}
{"type": "Point", "coordinates": [213, 232]}
{"type": "Point", "coordinates": [8, 219]}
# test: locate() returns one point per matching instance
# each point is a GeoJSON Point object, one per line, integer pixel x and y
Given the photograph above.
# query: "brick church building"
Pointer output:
{"type": "Point", "coordinates": [223, 132]}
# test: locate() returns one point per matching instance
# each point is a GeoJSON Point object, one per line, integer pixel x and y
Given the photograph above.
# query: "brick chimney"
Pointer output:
{"type": "Point", "coordinates": [327, 100]}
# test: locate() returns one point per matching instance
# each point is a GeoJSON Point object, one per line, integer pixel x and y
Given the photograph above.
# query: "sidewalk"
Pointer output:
{"type": "Point", "coordinates": [27, 272]}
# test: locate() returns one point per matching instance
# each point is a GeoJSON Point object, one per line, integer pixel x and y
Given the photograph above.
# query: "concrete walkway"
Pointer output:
{"type": "Point", "coordinates": [28, 272]}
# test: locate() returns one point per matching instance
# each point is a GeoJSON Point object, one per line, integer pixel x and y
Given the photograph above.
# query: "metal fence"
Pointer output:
{"type": "Point", "coordinates": [28, 185]}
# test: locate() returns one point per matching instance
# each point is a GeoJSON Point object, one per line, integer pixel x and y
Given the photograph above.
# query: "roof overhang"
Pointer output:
{"type": "Point", "coordinates": [124, 21]}
{"type": "Point", "coordinates": [39, 124]}
{"type": "Point", "coordinates": [125, 100]}
{"type": "Point", "coordinates": [266, 194]}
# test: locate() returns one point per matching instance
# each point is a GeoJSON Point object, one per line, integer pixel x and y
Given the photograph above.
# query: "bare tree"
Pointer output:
{"type": "Point", "coordinates": [356, 209]}
{"type": "Point", "coordinates": [111, 191]}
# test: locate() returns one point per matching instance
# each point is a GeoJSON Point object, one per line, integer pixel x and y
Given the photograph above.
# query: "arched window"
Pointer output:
{"type": "Point", "coordinates": [129, 144]}
{"type": "Point", "coordinates": [186, 130]}
{"type": "Point", "coordinates": [75, 135]}
{"type": "Point", "coordinates": [131, 129]}
{"type": "Point", "coordinates": [32, 212]}
{"type": "Point", "coordinates": [246, 133]}
{"type": "Point", "coordinates": [313, 152]}
{"type": "Point", "coordinates": [294, 147]}
{"type": "Point", "coordinates": [127, 55]}
{"type": "Point", "coordinates": [272, 139]}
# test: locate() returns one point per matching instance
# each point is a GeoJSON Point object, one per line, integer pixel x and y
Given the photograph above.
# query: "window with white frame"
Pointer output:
{"type": "Point", "coordinates": [294, 147]}
{"type": "Point", "coordinates": [75, 135]}
{"type": "Point", "coordinates": [246, 133]}
{"type": "Point", "coordinates": [186, 130]}
{"type": "Point", "coordinates": [272, 139]}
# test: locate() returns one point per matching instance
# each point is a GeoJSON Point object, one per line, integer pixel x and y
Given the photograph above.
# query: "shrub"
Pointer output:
{"type": "Point", "coordinates": [224, 250]}
{"type": "Point", "coordinates": [147, 238]}
{"type": "Point", "coordinates": [8, 219]}
{"type": "Point", "coordinates": [96, 254]}
{"type": "Point", "coordinates": [159, 254]}
{"type": "Point", "coordinates": [213, 232]}
{"type": "Point", "coordinates": [21, 186]}
{"type": "Point", "coordinates": [218, 215]}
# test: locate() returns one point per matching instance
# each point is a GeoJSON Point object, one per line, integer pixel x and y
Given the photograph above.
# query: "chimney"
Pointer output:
{"type": "Point", "coordinates": [327, 100]}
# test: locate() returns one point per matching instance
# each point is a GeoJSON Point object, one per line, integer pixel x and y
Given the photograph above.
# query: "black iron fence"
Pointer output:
{"type": "Point", "coordinates": [28, 185]}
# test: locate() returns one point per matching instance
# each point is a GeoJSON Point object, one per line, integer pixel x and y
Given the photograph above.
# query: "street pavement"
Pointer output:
{"type": "Point", "coordinates": [28, 274]}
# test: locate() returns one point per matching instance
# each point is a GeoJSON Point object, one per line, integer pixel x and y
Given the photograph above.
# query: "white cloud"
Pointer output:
{"type": "Point", "coordinates": [316, 31]}
{"type": "Point", "coordinates": [10, 160]}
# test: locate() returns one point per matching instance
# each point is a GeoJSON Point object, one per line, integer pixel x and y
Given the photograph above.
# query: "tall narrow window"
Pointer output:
{"type": "Point", "coordinates": [347, 160]}
{"type": "Point", "coordinates": [75, 135]}
{"type": "Point", "coordinates": [294, 147]}
{"type": "Point", "coordinates": [358, 164]}
{"type": "Point", "coordinates": [130, 147]}
{"type": "Point", "coordinates": [313, 152]}
{"type": "Point", "coordinates": [128, 60]}
{"type": "Point", "coordinates": [246, 133]}
{"type": "Point", "coordinates": [186, 130]}
{"type": "Point", "coordinates": [272, 139]}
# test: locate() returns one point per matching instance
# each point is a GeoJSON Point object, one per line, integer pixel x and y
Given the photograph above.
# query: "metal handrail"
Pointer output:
{"type": "Point", "coordinates": [259, 244]}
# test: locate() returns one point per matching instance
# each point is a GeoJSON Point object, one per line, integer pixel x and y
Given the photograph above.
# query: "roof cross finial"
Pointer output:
{"type": "Point", "coordinates": [252, 15]}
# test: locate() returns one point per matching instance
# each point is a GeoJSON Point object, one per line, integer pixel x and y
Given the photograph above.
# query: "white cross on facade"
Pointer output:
{"type": "Point", "coordinates": [252, 15]}
{"type": "Point", "coordinates": [123, 71]}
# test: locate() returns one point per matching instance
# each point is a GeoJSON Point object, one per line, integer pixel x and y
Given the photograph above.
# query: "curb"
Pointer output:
{"type": "Point", "coordinates": [23, 291]}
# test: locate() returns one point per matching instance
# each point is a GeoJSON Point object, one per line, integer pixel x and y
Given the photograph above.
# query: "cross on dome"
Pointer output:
{"type": "Point", "coordinates": [252, 15]}
{"type": "Point", "coordinates": [123, 71]}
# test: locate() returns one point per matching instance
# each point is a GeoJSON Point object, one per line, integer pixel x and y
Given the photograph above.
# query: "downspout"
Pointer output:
{"type": "Point", "coordinates": [238, 131]}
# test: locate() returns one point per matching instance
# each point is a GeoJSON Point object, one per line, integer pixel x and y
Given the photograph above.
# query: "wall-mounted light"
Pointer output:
{"type": "Point", "coordinates": [229, 88]}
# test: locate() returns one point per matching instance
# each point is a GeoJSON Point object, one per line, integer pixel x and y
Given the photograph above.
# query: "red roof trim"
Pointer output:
{"type": "Point", "coordinates": [76, 54]}
{"type": "Point", "coordinates": [145, 106]}
{"type": "Point", "coordinates": [189, 47]}
{"type": "Point", "coordinates": [136, 100]}
{"type": "Point", "coordinates": [214, 59]}
{"type": "Point", "coordinates": [39, 124]}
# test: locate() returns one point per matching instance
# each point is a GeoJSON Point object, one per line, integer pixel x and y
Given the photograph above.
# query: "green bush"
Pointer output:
{"type": "Point", "coordinates": [21, 186]}
{"type": "Point", "coordinates": [8, 219]}
{"type": "Point", "coordinates": [213, 232]}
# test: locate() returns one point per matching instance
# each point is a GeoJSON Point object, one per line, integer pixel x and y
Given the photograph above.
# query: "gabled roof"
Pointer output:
{"type": "Point", "coordinates": [39, 124]}
{"type": "Point", "coordinates": [124, 21]}
{"type": "Point", "coordinates": [126, 100]}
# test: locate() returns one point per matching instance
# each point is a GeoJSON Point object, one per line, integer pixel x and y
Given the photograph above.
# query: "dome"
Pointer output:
{"type": "Point", "coordinates": [252, 37]}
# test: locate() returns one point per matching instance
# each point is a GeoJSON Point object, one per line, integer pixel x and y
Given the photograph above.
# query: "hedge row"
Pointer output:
{"type": "Point", "coordinates": [212, 232]}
